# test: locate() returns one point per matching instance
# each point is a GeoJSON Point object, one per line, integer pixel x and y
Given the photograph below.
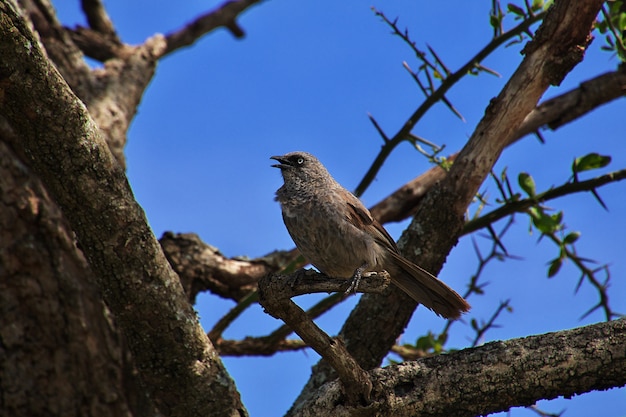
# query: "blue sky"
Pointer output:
{"type": "Point", "coordinates": [305, 78]}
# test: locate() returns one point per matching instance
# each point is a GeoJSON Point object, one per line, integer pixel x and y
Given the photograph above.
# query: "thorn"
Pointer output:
{"type": "Point", "coordinates": [597, 196]}
{"type": "Point", "coordinates": [235, 29]}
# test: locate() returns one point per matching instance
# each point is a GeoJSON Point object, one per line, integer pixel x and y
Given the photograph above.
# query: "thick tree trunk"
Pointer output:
{"type": "Point", "coordinates": [49, 127]}
{"type": "Point", "coordinates": [60, 351]}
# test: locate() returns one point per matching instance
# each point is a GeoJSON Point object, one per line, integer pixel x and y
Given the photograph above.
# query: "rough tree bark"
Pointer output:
{"type": "Point", "coordinates": [51, 129]}
{"type": "Point", "coordinates": [488, 379]}
{"type": "Point", "coordinates": [58, 342]}
{"type": "Point", "coordinates": [71, 236]}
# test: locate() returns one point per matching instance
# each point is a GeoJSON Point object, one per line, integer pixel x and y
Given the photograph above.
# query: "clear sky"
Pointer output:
{"type": "Point", "coordinates": [304, 78]}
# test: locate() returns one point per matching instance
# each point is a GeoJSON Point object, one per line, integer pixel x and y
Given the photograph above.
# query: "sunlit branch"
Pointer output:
{"type": "Point", "coordinates": [437, 95]}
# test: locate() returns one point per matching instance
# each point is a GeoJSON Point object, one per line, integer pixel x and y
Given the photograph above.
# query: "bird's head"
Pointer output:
{"type": "Point", "coordinates": [300, 167]}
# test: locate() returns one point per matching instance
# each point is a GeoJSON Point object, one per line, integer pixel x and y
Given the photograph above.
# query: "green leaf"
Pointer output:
{"type": "Point", "coordinates": [494, 21]}
{"type": "Point", "coordinates": [527, 183]}
{"type": "Point", "coordinates": [571, 238]}
{"type": "Point", "coordinates": [474, 324]}
{"type": "Point", "coordinates": [438, 347]}
{"type": "Point", "coordinates": [545, 223]}
{"type": "Point", "coordinates": [621, 55]}
{"type": "Point", "coordinates": [590, 161]}
{"type": "Point", "coordinates": [621, 22]}
{"type": "Point", "coordinates": [426, 342]}
{"type": "Point", "coordinates": [614, 7]}
{"type": "Point", "coordinates": [555, 266]}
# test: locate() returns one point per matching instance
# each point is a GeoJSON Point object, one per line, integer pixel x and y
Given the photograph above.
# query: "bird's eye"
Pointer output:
{"type": "Point", "coordinates": [300, 161]}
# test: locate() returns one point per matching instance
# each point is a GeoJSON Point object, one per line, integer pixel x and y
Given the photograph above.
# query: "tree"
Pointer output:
{"type": "Point", "coordinates": [95, 319]}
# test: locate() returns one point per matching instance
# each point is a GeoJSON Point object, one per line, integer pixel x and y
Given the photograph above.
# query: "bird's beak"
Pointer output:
{"type": "Point", "coordinates": [284, 163]}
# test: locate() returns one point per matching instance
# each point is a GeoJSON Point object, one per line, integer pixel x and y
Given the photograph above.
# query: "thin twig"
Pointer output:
{"type": "Point", "coordinates": [277, 340]}
{"type": "Point", "coordinates": [497, 252]}
{"type": "Point", "coordinates": [224, 322]}
{"type": "Point", "coordinates": [554, 113]}
{"type": "Point", "coordinates": [490, 324]}
{"type": "Point", "coordinates": [522, 205]}
{"type": "Point", "coordinates": [437, 95]}
{"type": "Point", "coordinates": [619, 44]}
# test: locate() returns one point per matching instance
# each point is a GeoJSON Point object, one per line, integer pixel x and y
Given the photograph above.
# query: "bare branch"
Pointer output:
{"type": "Point", "coordinates": [202, 267]}
{"type": "Point", "coordinates": [437, 95]}
{"type": "Point", "coordinates": [403, 202]}
{"type": "Point", "coordinates": [275, 341]}
{"type": "Point", "coordinates": [258, 346]}
{"type": "Point", "coordinates": [356, 382]}
{"type": "Point", "coordinates": [223, 16]}
{"type": "Point", "coordinates": [575, 103]}
{"type": "Point", "coordinates": [98, 18]}
{"type": "Point", "coordinates": [97, 45]}
{"type": "Point", "coordinates": [489, 324]}
{"type": "Point", "coordinates": [310, 282]}
{"type": "Point", "coordinates": [553, 113]}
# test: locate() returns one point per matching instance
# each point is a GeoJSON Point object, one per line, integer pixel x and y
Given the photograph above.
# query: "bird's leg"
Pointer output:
{"type": "Point", "coordinates": [356, 278]}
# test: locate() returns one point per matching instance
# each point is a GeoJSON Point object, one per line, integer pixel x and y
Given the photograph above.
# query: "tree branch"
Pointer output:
{"type": "Point", "coordinates": [437, 95]}
{"type": "Point", "coordinates": [124, 78]}
{"type": "Point", "coordinates": [101, 45]}
{"type": "Point", "coordinates": [174, 357]}
{"type": "Point", "coordinates": [275, 341]}
{"type": "Point", "coordinates": [356, 382]}
{"type": "Point", "coordinates": [553, 113]}
{"type": "Point", "coordinates": [302, 282]}
{"type": "Point", "coordinates": [258, 346]}
{"type": "Point", "coordinates": [98, 18]}
{"type": "Point", "coordinates": [97, 45]}
{"type": "Point", "coordinates": [202, 267]}
{"type": "Point", "coordinates": [491, 378]}
{"type": "Point", "coordinates": [560, 191]}
{"type": "Point", "coordinates": [567, 107]}
{"type": "Point", "coordinates": [223, 16]}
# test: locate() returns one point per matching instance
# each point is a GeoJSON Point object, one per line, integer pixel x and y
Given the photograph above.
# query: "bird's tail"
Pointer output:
{"type": "Point", "coordinates": [425, 288]}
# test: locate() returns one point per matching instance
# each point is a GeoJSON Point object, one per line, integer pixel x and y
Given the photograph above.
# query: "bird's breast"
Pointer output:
{"type": "Point", "coordinates": [328, 240]}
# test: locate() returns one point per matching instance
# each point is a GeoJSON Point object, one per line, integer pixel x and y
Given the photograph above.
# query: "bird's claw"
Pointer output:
{"type": "Point", "coordinates": [356, 279]}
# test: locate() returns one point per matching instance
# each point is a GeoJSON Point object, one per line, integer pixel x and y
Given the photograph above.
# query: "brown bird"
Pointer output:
{"type": "Point", "coordinates": [336, 233]}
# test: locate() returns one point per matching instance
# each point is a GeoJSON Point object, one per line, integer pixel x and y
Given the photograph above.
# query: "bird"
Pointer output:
{"type": "Point", "coordinates": [337, 234]}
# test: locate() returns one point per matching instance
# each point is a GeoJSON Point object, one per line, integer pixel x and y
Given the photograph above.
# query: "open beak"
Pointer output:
{"type": "Point", "coordinates": [284, 163]}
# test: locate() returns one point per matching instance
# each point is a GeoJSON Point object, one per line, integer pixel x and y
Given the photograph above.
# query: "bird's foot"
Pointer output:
{"type": "Point", "coordinates": [356, 279]}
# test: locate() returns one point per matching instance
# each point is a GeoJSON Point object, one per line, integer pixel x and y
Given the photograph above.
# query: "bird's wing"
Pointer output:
{"type": "Point", "coordinates": [362, 219]}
